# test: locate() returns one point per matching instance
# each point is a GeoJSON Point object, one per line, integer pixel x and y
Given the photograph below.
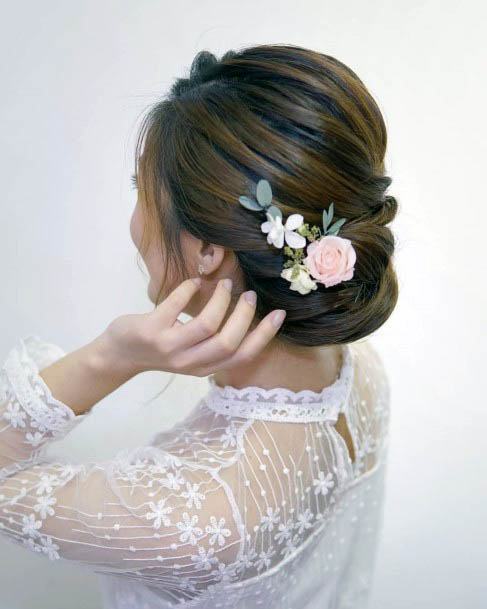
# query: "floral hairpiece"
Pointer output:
{"type": "Point", "coordinates": [330, 259]}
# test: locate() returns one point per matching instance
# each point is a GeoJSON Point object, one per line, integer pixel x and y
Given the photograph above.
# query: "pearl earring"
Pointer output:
{"type": "Point", "coordinates": [201, 269]}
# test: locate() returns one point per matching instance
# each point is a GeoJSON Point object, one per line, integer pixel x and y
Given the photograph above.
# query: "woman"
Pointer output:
{"type": "Point", "coordinates": [261, 185]}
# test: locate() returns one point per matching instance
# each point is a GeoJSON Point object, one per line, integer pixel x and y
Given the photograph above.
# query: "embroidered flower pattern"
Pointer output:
{"type": "Point", "coordinates": [217, 531]}
{"type": "Point", "coordinates": [159, 508]}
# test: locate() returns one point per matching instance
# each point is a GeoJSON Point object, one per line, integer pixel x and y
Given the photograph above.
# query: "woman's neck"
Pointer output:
{"type": "Point", "coordinates": [289, 366]}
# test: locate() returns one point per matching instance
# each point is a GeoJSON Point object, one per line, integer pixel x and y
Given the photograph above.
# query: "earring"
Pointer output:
{"type": "Point", "coordinates": [201, 269]}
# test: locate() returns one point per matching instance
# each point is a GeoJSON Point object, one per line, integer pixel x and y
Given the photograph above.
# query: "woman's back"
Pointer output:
{"type": "Point", "coordinates": [270, 497]}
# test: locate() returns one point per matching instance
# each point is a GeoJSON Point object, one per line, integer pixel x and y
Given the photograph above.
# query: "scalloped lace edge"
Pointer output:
{"type": "Point", "coordinates": [283, 404]}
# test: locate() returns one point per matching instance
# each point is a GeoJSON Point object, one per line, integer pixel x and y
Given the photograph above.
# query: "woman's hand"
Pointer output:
{"type": "Point", "coordinates": [159, 341]}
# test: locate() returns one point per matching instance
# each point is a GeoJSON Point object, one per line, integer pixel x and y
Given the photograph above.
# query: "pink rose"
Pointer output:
{"type": "Point", "coordinates": [330, 259]}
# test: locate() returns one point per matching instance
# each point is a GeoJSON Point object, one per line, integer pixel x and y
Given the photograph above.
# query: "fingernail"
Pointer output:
{"type": "Point", "coordinates": [228, 284]}
{"type": "Point", "coordinates": [197, 280]}
{"type": "Point", "coordinates": [278, 317]}
{"type": "Point", "coordinates": [250, 297]}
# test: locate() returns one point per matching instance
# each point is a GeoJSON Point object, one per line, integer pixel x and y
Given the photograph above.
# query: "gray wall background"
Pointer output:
{"type": "Point", "coordinates": [75, 77]}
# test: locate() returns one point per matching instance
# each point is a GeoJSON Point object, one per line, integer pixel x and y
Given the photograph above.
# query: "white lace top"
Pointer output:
{"type": "Point", "coordinates": [254, 500]}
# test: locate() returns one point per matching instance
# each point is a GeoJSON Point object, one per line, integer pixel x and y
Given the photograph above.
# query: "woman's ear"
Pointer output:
{"type": "Point", "coordinates": [202, 257]}
{"type": "Point", "coordinates": [210, 257]}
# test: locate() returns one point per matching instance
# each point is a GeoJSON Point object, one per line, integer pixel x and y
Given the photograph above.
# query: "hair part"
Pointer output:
{"type": "Point", "coordinates": [306, 123]}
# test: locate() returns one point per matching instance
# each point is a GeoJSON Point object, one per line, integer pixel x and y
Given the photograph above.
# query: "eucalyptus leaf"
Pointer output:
{"type": "Point", "coordinates": [325, 219]}
{"type": "Point", "coordinates": [249, 203]}
{"type": "Point", "coordinates": [264, 193]}
{"type": "Point", "coordinates": [331, 211]}
{"type": "Point", "coordinates": [274, 211]}
{"type": "Point", "coordinates": [334, 228]}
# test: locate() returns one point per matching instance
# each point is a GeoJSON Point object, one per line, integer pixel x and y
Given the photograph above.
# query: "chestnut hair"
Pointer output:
{"type": "Point", "coordinates": [305, 122]}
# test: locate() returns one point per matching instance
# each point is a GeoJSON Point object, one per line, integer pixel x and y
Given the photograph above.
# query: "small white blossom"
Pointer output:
{"type": "Point", "coordinates": [193, 496]}
{"type": "Point", "coordinates": [323, 483]}
{"type": "Point", "coordinates": [159, 513]}
{"type": "Point", "coordinates": [30, 525]}
{"type": "Point", "coordinates": [204, 559]}
{"type": "Point", "coordinates": [173, 481]}
{"type": "Point", "coordinates": [291, 545]}
{"type": "Point", "coordinates": [229, 438]}
{"type": "Point", "coordinates": [278, 233]}
{"type": "Point", "coordinates": [302, 283]}
{"type": "Point", "coordinates": [47, 483]}
{"type": "Point", "coordinates": [50, 548]}
{"type": "Point", "coordinates": [189, 531]}
{"type": "Point", "coordinates": [217, 531]}
{"type": "Point", "coordinates": [35, 439]}
{"type": "Point", "coordinates": [285, 531]}
{"type": "Point", "coordinates": [15, 415]}
{"type": "Point", "coordinates": [271, 518]}
{"type": "Point", "coordinates": [264, 559]}
{"type": "Point", "coordinates": [304, 521]}
{"type": "Point", "coordinates": [43, 506]}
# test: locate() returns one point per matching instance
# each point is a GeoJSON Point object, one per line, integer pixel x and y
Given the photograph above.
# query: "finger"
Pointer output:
{"type": "Point", "coordinates": [252, 345]}
{"type": "Point", "coordinates": [207, 322]}
{"type": "Point", "coordinates": [168, 310]}
{"type": "Point", "coordinates": [226, 342]}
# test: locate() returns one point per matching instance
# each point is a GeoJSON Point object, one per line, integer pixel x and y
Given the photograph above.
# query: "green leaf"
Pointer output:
{"type": "Point", "coordinates": [250, 203]}
{"type": "Point", "coordinates": [325, 219]}
{"type": "Point", "coordinates": [264, 193]}
{"type": "Point", "coordinates": [331, 211]}
{"type": "Point", "coordinates": [274, 211]}
{"type": "Point", "coordinates": [334, 228]}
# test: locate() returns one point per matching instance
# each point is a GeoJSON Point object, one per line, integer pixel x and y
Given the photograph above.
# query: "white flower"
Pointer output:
{"type": "Point", "coordinates": [158, 513]}
{"type": "Point", "coordinates": [217, 532]}
{"type": "Point", "coordinates": [34, 439]}
{"type": "Point", "coordinates": [189, 531]}
{"type": "Point", "coordinates": [229, 438]}
{"type": "Point", "coordinates": [49, 548]}
{"type": "Point", "coordinates": [272, 517]}
{"type": "Point", "coordinates": [302, 283]}
{"type": "Point", "coordinates": [323, 483]}
{"type": "Point", "coordinates": [225, 573]}
{"type": "Point", "coordinates": [290, 546]}
{"type": "Point", "coordinates": [193, 496]}
{"type": "Point", "coordinates": [47, 483]}
{"type": "Point", "coordinates": [264, 559]}
{"type": "Point", "coordinates": [43, 506]}
{"type": "Point", "coordinates": [277, 233]}
{"type": "Point", "coordinates": [246, 561]}
{"type": "Point", "coordinates": [30, 525]}
{"type": "Point", "coordinates": [285, 531]}
{"type": "Point", "coordinates": [304, 521]}
{"type": "Point", "coordinates": [15, 415]}
{"type": "Point", "coordinates": [173, 481]}
{"type": "Point", "coordinates": [32, 545]}
{"type": "Point", "coordinates": [204, 560]}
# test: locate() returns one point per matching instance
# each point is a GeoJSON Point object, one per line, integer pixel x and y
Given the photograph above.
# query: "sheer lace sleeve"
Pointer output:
{"type": "Point", "coordinates": [147, 514]}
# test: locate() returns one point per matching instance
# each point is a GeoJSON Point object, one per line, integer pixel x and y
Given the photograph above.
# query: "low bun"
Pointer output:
{"type": "Point", "coordinates": [307, 124]}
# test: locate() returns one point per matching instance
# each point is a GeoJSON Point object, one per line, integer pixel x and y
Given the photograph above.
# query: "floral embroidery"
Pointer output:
{"type": "Point", "coordinates": [204, 559]}
{"type": "Point", "coordinates": [189, 531]}
{"type": "Point", "coordinates": [323, 483]}
{"type": "Point", "coordinates": [217, 531]}
{"type": "Point", "coordinates": [160, 498]}
{"type": "Point", "coordinates": [270, 519]}
{"type": "Point", "coordinates": [193, 496]}
{"type": "Point", "coordinates": [159, 513]}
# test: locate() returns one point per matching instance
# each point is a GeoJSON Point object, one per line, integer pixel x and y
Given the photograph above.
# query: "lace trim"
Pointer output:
{"type": "Point", "coordinates": [29, 389]}
{"type": "Point", "coordinates": [282, 404]}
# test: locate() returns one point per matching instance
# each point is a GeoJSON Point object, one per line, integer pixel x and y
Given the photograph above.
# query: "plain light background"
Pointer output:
{"type": "Point", "coordinates": [75, 79]}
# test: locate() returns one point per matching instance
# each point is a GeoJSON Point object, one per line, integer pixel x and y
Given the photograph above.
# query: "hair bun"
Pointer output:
{"type": "Point", "coordinates": [385, 212]}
